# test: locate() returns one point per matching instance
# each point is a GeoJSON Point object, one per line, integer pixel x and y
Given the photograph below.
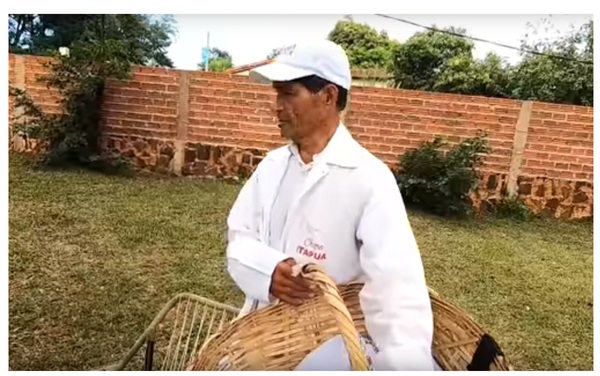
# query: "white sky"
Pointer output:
{"type": "Point", "coordinates": [250, 38]}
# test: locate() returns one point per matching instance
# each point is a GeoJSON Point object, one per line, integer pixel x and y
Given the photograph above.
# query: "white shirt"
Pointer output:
{"type": "Point", "coordinates": [289, 188]}
{"type": "Point", "coordinates": [348, 217]}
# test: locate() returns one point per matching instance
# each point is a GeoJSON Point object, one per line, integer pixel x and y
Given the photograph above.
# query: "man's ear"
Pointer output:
{"type": "Point", "coordinates": [331, 94]}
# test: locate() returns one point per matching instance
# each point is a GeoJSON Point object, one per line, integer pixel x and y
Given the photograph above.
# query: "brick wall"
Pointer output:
{"type": "Point", "coordinates": [389, 121]}
{"type": "Point", "coordinates": [208, 124]}
{"type": "Point", "coordinates": [560, 143]}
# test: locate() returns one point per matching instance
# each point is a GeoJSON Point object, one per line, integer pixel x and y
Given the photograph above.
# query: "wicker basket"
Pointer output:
{"type": "Point", "coordinates": [280, 336]}
{"type": "Point", "coordinates": [459, 344]}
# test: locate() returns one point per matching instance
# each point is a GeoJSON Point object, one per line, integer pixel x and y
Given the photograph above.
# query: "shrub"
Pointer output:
{"type": "Point", "coordinates": [439, 181]}
{"type": "Point", "coordinates": [512, 207]}
{"type": "Point", "coordinates": [71, 137]}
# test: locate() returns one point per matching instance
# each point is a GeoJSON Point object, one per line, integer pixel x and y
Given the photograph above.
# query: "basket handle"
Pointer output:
{"type": "Point", "coordinates": [350, 335]}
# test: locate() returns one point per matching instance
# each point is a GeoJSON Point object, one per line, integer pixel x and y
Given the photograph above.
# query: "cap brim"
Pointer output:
{"type": "Point", "coordinates": [277, 71]}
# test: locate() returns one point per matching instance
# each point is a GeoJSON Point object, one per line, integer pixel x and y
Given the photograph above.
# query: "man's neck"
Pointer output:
{"type": "Point", "coordinates": [316, 142]}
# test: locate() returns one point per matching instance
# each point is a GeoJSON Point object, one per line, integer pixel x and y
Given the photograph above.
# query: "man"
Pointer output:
{"type": "Point", "coordinates": [325, 199]}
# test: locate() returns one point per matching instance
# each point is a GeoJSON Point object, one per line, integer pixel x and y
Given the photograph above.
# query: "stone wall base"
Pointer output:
{"type": "Point", "coordinates": [222, 162]}
{"type": "Point", "coordinates": [145, 154]}
{"type": "Point", "coordinates": [554, 198]}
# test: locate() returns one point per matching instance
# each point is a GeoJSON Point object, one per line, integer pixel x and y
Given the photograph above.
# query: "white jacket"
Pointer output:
{"type": "Point", "coordinates": [351, 220]}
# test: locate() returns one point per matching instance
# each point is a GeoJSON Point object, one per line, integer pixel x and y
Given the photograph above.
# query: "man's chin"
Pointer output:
{"type": "Point", "coordinates": [285, 132]}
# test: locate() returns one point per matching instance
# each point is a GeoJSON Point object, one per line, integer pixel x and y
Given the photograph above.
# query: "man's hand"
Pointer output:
{"type": "Point", "coordinates": [292, 290]}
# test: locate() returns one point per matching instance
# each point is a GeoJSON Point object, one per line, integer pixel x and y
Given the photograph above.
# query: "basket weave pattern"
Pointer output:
{"type": "Point", "coordinates": [456, 335]}
{"type": "Point", "coordinates": [280, 336]}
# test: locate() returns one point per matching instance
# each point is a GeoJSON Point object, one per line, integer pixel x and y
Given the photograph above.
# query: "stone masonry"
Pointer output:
{"type": "Point", "coordinates": [205, 124]}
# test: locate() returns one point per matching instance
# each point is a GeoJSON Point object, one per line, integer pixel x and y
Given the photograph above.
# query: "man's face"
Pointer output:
{"type": "Point", "coordinates": [299, 111]}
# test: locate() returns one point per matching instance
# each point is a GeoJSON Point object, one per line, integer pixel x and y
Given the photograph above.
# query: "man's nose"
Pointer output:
{"type": "Point", "coordinates": [278, 106]}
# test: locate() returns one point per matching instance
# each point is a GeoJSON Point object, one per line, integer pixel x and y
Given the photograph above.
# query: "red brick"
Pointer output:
{"type": "Point", "coordinates": [575, 167]}
{"type": "Point", "coordinates": [540, 147]}
{"type": "Point", "coordinates": [541, 163]}
{"type": "Point", "coordinates": [541, 115]}
{"type": "Point", "coordinates": [534, 171]}
{"type": "Point", "coordinates": [225, 109]}
{"type": "Point", "coordinates": [164, 119]}
{"type": "Point", "coordinates": [154, 78]}
{"type": "Point", "coordinates": [566, 175]}
{"type": "Point", "coordinates": [558, 116]}
{"type": "Point", "coordinates": [585, 160]}
{"type": "Point", "coordinates": [582, 176]}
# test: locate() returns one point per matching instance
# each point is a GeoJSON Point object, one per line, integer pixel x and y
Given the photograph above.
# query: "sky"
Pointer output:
{"type": "Point", "coordinates": [250, 38]}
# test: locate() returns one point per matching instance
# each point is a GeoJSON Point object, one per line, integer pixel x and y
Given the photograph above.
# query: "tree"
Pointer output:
{"type": "Point", "coordinates": [101, 47]}
{"type": "Point", "coordinates": [419, 61]}
{"type": "Point", "coordinates": [499, 72]}
{"type": "Point", "coordinates": [20, 28]}
{"type": "Point", "coordinates": [462, 74]}
{"type": "Point", "coordinates": [218, 61]}
{"type": "Point", "coordinates": [551, 78]}
{"type": "Point", "coordinates": [439, 60]}
{"type": "Point", "coordinates": [284, 50]}
{"type": "Point", "coordinates": [145, 38]}
{"type": "Point", "coordinates": [365, 47]}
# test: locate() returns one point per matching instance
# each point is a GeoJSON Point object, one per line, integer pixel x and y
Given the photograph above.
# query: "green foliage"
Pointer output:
{"type": "Point", "coordinates": [551, 79]}
{"type": "Point", "coordinates": [441, 62]}
{"type": "Point", "coordinates": [70, 138]}
{"type": "Point", "coordinates": [281, 51]}
{"type": "Point", "coordinates": [423, 57]}
{"type": "Point", "coordinates": [365, 47]}
{"type": "Point", "coordinates": [219, 65]}
{"type": "Point", "coordinates": [438, 181]}
{"type": "Point", "coordinates": [102, 50]}
{"type": "Point", "coordinates": [219, 61]}
{"type": "Point", "coordinates": [464, 75]}
{"type": "Point", "coordinates": [512, 208]}
{"type": "Point", "coordinates": [437, 61]}
{"type": "Point", "coordinates": [144, 38]}
{"type": "Point", "coordinates": [20, 29]}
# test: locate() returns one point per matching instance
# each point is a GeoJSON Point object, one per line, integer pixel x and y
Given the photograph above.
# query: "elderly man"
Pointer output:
{"type": "Point", "coordinates": [327, 200]}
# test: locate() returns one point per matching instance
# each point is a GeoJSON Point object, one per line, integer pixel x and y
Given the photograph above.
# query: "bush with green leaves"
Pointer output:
{"type": "Point", "coordinates": [512, 207]}
{"type": "Point", "coordinates": [103, 48]}
{"type": "Point", "coordinates": [70, 137]}
{"type": "Point", "coordinates": [440, 181]}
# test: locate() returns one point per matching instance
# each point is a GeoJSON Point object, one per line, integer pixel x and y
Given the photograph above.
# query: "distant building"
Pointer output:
{"type": "Point", "coordinates": [376, 77]}
{"type": "Point", "coordinates": [244, 70]}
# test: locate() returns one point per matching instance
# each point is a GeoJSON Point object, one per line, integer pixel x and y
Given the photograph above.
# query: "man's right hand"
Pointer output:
{"type": "Point", "coordinates": [285, 287]}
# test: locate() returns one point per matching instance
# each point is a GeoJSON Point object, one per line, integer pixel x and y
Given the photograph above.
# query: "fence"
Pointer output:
{"type": "Point", "coordinates": [201, 123]}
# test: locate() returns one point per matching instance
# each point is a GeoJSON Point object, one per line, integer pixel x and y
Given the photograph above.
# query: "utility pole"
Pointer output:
{"type": "Point", "coordinates": [207, 51]}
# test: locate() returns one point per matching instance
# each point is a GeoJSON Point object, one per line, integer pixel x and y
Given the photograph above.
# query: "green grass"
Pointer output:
{"type": "Point", "coordinates": [94, 258]}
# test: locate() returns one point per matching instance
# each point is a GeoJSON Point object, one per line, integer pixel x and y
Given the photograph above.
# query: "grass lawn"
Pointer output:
{"type": "Point", "coordinates": [93, 259]}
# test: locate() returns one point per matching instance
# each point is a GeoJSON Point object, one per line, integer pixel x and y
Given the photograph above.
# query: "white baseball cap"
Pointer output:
{"type": "Point", "coordinates": [321, 58]}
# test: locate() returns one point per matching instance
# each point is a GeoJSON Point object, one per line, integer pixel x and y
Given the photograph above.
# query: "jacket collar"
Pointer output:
{"type": "Point", "coordinates": [340, 151]}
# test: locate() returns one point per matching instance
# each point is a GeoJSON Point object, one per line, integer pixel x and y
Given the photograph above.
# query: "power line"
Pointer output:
{"type": "Point", "coordinates": [487, 41]}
